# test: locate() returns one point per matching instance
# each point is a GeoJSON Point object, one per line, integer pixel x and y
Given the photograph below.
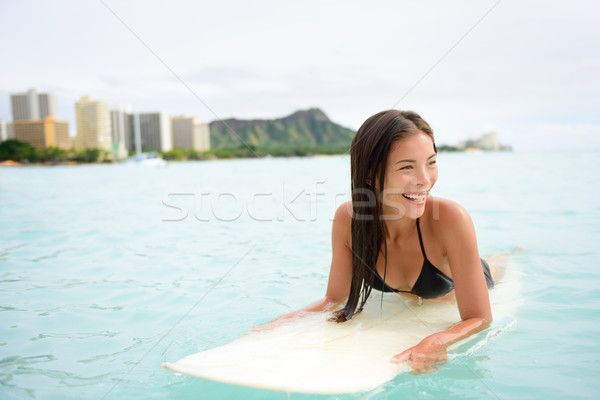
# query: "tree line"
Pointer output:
{"type": "Point", "coordinates": [16, 150]}
{"type": "Point", "coordinates": [251, 151]}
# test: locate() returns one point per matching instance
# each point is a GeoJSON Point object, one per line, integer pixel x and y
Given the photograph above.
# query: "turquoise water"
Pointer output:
{"type": "Point", "coordinates": [109, 270]}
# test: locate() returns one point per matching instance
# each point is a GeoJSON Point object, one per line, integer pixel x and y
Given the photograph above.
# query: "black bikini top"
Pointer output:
{"type": "Point", "coordinates": [430, 284]}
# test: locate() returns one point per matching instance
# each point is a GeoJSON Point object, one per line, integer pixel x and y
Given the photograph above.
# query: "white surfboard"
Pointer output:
{"type": "Point", "coordinates": [313, 355]}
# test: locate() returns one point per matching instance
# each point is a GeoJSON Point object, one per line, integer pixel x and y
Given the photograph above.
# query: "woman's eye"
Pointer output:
{"type": "Point", "coordinates": [432, 162]}
{"type": "Point", "coordinates": [406, 167]}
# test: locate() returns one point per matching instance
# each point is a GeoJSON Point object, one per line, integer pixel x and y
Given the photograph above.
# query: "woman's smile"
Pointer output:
{"type": "Point", "coordinates": [417, 198]}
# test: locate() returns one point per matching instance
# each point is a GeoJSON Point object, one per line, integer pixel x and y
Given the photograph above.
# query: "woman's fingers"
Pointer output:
{"type": "Point", "coordinates": [402, 357]}
{"type": "Point", "coordinates": [266, 326]}
{"type": "Point", "coordinates": [421, 362]}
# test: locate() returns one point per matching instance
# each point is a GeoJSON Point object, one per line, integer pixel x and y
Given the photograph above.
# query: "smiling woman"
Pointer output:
{"type": "Point", "coordinates": [393, 236]}
{"type": "Point", "coordinates": [409, 181]}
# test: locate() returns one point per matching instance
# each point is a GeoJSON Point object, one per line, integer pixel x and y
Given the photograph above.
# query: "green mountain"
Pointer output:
{"type": "Point", "coordinates": [305, 128]}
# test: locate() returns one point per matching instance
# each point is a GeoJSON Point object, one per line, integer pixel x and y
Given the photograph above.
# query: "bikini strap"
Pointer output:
{"type": "Point", "coordinates": [421, 239]}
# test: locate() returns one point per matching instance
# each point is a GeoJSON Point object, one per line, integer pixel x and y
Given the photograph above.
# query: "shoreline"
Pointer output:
{"type": "Point", "coordinates": [11, 163]}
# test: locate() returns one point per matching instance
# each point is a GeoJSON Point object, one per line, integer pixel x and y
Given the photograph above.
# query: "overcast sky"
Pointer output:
{"type": "Point", "coordinates": [527, 69]}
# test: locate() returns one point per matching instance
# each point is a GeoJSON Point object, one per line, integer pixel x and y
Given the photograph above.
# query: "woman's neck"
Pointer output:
{"type": "Point", "coordinates": [398, 230]}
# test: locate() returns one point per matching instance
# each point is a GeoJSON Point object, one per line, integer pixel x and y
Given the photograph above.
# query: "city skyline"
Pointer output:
{"type": "Point", "coordinates": [34, 119]}
{"type": "Point", "coordinates": [526, 71]}
{"type": "Point", "coordinates": [192, 133]}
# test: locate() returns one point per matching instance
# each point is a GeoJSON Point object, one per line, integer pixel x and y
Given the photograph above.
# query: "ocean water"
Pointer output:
{"type": "Point", "coordinates": [106, 271]}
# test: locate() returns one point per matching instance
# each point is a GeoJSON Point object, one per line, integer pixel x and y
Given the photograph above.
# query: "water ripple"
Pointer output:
{"type": "Point", "coordinates": [73, 335]}
{"type": "Point", "coordinates": [21, 361]}
{"type": "Point", "coordinates": [137, 343]}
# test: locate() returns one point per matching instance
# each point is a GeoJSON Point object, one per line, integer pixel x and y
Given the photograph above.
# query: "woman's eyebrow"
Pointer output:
{"type": "Point", "coordinates": [401, 161]}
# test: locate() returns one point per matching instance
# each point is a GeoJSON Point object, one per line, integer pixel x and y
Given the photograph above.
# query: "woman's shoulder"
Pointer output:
{"type": "Point", "coordinates": [343, 214]}
{"type": "Point", "coordinates": [446, 214]}
{"type": "Point", "coordinates": [342, 222]}
{"type": "Point", "coordinates": [451, 225]}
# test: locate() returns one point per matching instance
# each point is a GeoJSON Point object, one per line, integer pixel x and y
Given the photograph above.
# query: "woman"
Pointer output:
{"type": "Point", "coordinates": [394, 236]}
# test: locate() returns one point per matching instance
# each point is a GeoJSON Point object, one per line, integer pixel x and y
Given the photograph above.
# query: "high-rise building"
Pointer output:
{"type": "Point", "coordinates": [42, 133]}
{"type": "Point", "coordinates": [489, 141]}
{"type": "Point", "coordinates": [122, 131]}
{"type": "Point", "coordinates": [32, 105]}
{"type": "Point", "coordinates": [155, 131]}
{"type": "Point", "coordinates": [189, 133]}
{"type": "Point", "coordinates": [10, 132]}
{"type": "Point", "coordinates": [93, 125]}
{"type": "Point", "coordinates": [3, 132]}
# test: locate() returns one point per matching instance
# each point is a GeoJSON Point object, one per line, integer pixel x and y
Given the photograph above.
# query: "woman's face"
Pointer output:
{"type": "Point", "coordinates": [410, 174]}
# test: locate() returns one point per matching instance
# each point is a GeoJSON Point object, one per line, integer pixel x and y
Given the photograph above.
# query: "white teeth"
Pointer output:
{"type": "Point", "coordinates": [417, 197]}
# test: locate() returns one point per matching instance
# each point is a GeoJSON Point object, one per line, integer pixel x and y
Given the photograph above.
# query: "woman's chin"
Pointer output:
{"type": "Point", "coordinates": [411, 212]}
{"type": "Point", "coordinates": [416, 211]}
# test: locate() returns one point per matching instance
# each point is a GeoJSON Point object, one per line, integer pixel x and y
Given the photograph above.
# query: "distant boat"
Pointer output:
{"type": "Point", "coordinates": [149, 160]}
{"type": "Point", "coordinates": [153, 162]}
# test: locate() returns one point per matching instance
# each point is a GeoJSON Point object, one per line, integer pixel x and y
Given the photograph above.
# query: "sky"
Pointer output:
{"type": "Point", "coordinates": [528, 70]}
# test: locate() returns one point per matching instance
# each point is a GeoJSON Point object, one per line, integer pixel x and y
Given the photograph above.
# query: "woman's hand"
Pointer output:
{"type": "Point", "coordinates": [274, 324]}
{"type": "Point", "coordinates": [423, 357]}
{"type": "Point", "coordinates": [324, 304]}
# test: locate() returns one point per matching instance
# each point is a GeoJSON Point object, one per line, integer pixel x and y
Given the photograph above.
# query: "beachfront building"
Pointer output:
{"type": "Point", "coordinates": [190, 134]}
{"type": "Point", "coordinates": [32, 105]}
{"type": "Point", "coordinates": [122, 131]}
{"type": "Point", "coordinates": [489, 141]}
{"type": "Point", "coordinates": [154, 131]}
{"type": "Point", "coordinates": [3, 131]}
{"type": "Point", "coordinates": [42, 133]}
{"type": "Point", "coordinates": [93, 125]}
{"type": "Point", "coordinates": [466, 144]}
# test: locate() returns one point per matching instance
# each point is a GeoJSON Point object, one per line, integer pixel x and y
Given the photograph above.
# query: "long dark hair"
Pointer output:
{"type": "Point", "coordinates": [368, 155]}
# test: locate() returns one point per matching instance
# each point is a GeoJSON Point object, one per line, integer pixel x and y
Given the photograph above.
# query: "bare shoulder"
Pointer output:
{"type": "Point", "coordinates": [342, 221]}
{"type": "Point", "coordinates": [343, 214]}
{"type": "Point", "coordinates": [451, 225]}
{"type": "Point", "coordinates": [448, 216]}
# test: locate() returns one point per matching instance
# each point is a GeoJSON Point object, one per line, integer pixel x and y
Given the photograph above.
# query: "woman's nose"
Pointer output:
{"type": "Point", "coordinates": [422, 177]}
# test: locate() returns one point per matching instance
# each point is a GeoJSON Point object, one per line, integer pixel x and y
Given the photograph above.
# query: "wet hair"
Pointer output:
{"type": "Point", "coordinates": [368, 157]}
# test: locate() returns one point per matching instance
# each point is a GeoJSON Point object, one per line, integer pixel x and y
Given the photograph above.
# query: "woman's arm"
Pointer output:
{"type": "Point", "coordinates": [323, 304]}
{"type": "Point", "coordinates": [431, 351]}
{"type": "Point", "coordinates": [340, 272]}
{"type": "Point", "coordinates": [457, 234]}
